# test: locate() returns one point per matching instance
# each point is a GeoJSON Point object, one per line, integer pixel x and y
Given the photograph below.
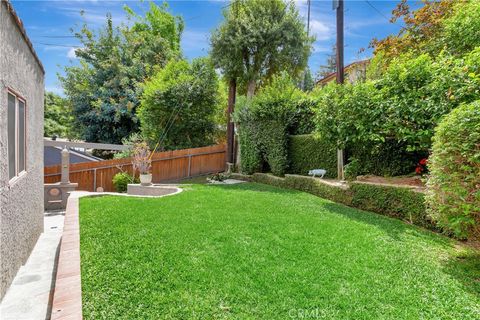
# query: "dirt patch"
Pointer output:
{"type": "Point", "coordinates": [414, 181]}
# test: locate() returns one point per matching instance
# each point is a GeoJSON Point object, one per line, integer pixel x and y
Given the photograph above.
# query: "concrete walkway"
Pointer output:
{"type": "Point", "coordinates": [29, 296]}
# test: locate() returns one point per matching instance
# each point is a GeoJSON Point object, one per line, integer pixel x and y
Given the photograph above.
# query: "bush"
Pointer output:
{"type": "Point", "coordinates": [462, 30]}
{"type": "Point", "coordinates": [397, 202]}
{"type": "Point", "coordinates": [264, 123]}
{"type": "Point", "coordinates": [179, 104]}
{"type": "Point", "coordinates": [319, 188]}
{"type": "Point", "coordinates": [307, 152]}
{"type": "Point", "coordinates": [389, 158]}
{"type": "Point", "coordinates": [454, 182]}
{"type": "Point", "coordinates": [269, 179]}
{"type": "Point", "coordinates": [122, 179]}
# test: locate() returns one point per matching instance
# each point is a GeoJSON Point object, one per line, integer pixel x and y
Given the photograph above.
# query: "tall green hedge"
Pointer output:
{"type": "Point", "coordinates": [307, 152]}
{"type": "Point", "coordinates": [454, 182]}
{"type": "Point", "coordinates": [264, 122]}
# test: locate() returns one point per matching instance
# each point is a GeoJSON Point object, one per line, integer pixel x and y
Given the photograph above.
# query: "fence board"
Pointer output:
{"type": "Point", "coordinates": [166, 166]}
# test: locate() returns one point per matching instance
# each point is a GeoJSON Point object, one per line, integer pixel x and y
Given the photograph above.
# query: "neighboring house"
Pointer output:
{"type": "Point", "coordinates": [53, 156]}
{"type": "Point", "coordinates": [355, 71]}
{"type": "Point", "coordinates": [21, 145]}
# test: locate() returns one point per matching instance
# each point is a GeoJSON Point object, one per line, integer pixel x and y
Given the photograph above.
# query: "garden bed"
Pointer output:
{"type": "Point", "coordinates": [412, 181]}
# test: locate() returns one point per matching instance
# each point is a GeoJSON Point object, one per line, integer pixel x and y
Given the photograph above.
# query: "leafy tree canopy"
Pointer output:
{"type": "Point", "coordinates": [179, 105]}
{"type": "Point", "coordinates": [258, 39]}
{"type": "Point", "coordinates": [58, 118]}
{"type": "Point", "coordinates": [104, 87]}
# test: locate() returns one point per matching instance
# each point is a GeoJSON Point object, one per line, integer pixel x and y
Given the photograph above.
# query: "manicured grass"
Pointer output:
{"type": "Point", "coordinates": [252, 251]}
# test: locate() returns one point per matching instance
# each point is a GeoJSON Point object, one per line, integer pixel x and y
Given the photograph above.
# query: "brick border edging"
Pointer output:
{"type": "Point", "coordinates": [67, 295]}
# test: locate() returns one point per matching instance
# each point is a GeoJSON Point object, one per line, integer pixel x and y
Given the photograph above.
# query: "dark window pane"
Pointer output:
{"type": "Point", "coordinates": [11, 136]}
{"type": "Point", "coordinates": [21, 136]}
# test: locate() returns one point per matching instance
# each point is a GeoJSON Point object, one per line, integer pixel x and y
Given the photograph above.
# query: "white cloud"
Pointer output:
{"type": "Point", "coordinates": [318, 48]}
{"type": "Point", "coordinates": [195, 40]}
{"type": "Point", "coordinates": [56, 90]}
{"type": "Point", "coordinates": [321, 30]}
{"type": "Point", "coordinates": [71, 53]}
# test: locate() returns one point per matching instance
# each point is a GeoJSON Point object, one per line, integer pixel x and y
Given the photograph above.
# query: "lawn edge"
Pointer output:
{"type": "Point", "coordinates": [67, 294]}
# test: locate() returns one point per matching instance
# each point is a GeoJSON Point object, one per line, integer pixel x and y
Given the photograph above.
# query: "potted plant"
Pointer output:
{"type": "Point", "coordinates": [142, 162]}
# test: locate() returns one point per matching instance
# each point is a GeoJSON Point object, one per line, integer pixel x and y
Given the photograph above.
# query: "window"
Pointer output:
{"type": "Point", "coordinates": [16, 135]}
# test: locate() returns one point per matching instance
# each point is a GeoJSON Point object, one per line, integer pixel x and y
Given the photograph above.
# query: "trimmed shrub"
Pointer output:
{"type": "Point", "coordinates": [264, 122]}
{"type": "Point", "coordinates": [454, 182]}
{"type": "Point", "coordinates": [318, 187]}
{"type": "Point", "coordinates": [121, 180]}
{"type": "Point", "coordinates": [402, 203]}
{"type": "Point", "coordinates": [269, 179]}
{"type": "Point", "coordinates": [307, 152]}
{"type": "Point", "coordinates": [397, 202]}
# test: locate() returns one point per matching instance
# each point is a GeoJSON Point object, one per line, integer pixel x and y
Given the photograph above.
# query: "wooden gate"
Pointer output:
{"type": "Point", "coordinates": [166, 166]}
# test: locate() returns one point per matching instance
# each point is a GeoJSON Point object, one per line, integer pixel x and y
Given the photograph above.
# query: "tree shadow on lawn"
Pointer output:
{"type": "Point", "coordinates": [395, 228]}
{"type": "Point", "coordinates": [463, 263]}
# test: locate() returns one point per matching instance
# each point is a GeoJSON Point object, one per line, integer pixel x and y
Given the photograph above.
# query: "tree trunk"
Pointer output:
{"type": "Point", "coordinates": [251, 88]}
{"type": "Point", "coordinates": [232, 88]}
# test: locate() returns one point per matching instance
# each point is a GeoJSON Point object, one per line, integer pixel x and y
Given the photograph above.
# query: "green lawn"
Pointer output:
{"type": "Point", "coordinates": [252, 251]}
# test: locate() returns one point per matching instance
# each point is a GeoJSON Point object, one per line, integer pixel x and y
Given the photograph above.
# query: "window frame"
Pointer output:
{"type": "Point", "coordinates": [18, 99]}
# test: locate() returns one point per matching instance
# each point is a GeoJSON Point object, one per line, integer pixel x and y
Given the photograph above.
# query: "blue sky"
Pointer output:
{"type": "Point", "coordinates": [48, 23]}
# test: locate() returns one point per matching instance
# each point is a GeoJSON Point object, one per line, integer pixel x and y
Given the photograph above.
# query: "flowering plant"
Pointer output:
{"type": "Point", "coordinates": [141, 158]}
{"type": "Point", "coordinates": [421, 166]}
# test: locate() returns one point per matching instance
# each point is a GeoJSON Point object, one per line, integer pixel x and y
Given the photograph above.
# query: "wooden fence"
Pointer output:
{"type": "Point", "coordinates": [166, 166]}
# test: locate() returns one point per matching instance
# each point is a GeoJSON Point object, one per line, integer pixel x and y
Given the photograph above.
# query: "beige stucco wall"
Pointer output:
{"type": "Point", "coordinates": [21, 202]}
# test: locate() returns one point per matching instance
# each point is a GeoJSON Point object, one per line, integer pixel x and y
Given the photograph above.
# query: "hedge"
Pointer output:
{"type": "Point", "coordinates": [454, 184]}
{"type": "Point", "coordinates": [403, 203]}
{"type": "Point", "coordinates": [398, 202]}
{"type": "Point", "coordinates": [307, 152]}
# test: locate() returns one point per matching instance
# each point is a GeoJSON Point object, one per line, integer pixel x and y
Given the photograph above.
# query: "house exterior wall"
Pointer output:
{"type": "Point", "coordinates": [21, 201]}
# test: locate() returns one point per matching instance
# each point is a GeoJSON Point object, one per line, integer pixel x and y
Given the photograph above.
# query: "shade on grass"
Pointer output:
{"type": "Point", "coordinates": [251, 251]}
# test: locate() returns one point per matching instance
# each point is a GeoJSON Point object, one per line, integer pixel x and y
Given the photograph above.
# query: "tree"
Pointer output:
{"type": "Point", "coordinates": [178, 105]}
{"type": "Point", "coordinates": [306, 83]}
{"type": "Point", "coordinates": [422, 30]}
{"type": "Point", "coordinates": [58, 118]}
{"type": "Point", "coordinates": [259, 38]}
{"type": "Point", "coordinates": [104, 88]}
{"type": "Point", "coordinates": [330, 65]}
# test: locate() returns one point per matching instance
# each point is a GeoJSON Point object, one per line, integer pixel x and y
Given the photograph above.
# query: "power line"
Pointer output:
{"type": "Point", "coordinates": [52, 37]}
{"type": "Point", "coordinates": [58, 45]}
{"type": "Point", "coordinates": [380, 12]}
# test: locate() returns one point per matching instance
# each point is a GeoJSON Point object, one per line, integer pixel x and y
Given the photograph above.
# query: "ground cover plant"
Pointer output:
{"type": "Point", "coordinates": [252, 251]}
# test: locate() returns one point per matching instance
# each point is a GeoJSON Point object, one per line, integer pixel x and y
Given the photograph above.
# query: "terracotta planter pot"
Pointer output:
{"type": "Point", "coordinates": [146, 179]}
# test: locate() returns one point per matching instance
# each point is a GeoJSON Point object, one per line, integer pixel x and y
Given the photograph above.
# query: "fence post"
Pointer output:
{"type": "Point", "coordinates": [189, 165]}
{"type": "Point", "coordinates": [94, 179]}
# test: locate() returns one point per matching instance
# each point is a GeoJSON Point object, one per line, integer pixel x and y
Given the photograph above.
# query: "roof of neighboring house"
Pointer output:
{"type": "Point", "coordinates": [19, 24]}
{"type": "Point", "coordinates": [347, 68]}
{"type": "Point", "coordinates": [53, 156]}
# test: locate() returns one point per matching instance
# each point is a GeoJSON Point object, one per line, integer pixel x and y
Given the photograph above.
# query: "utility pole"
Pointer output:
{"type": "Point", "coordinates": [302, 82]}
{"type": "Point", "coordinates": [232, 88]}
{"type": "Point", "coordinates": [338, 5]}
{"type": "Point", "coordinates": [308, 18]}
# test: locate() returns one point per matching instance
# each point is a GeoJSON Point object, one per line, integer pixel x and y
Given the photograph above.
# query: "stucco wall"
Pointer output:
{"type": "Point", "coordinates": [21, 202]}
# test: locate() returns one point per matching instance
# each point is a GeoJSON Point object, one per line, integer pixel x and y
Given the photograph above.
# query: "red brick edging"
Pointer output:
{"type": "Point", "coordinates": [67, 297]}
